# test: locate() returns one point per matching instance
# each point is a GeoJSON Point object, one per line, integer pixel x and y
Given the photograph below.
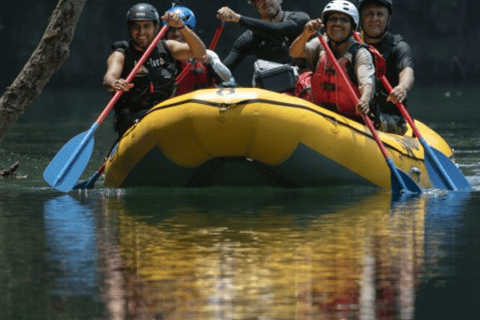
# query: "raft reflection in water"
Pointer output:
{"type": "Point", "coordinates": [364, 261]}
{"type": "Point", "coordinates": [289, 255]}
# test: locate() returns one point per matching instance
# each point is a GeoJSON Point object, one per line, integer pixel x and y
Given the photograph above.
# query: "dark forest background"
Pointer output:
{"type": "Point", "coordinates": [444, 35]}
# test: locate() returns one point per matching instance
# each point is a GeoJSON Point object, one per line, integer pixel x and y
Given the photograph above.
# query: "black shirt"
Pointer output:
{"type": "Point", "coordinates": [267, 40]}
{"type": "Point", "coordinates": [398, 55]}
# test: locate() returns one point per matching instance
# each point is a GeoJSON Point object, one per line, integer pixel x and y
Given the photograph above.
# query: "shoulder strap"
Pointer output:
{"type": "Point", "coordinates": [354, 50]}
{"type": "Point", "coordinates": [378, 60]}
{"type": "Point", "coordinates": [167, 57]}
{"type": "Point", "coordinates": [162, 49]}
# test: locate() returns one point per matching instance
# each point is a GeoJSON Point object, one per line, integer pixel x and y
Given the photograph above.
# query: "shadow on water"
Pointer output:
{"type": "Point", "coordinates": [248, 254]}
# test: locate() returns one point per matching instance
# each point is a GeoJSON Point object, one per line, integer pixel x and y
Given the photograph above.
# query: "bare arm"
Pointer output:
{"type": "Point", "coordinates": [193, 48]}
{"type": "Point", "coordinates": [297, 49]}
{"type": "Point", "coordinates": [366, 95]}
{"type": "Point", "coordinates": [405, 84]}
{"type": "Point", "coordinates": [366, 80]}
{"type": "Point", "coordinates": [111, 79]}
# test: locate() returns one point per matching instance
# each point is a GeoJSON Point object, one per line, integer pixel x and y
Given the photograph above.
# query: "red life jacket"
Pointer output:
{"type": "Point", "coordinates": [197, 78]}
{"type": "Point", "coordinates": [328, 89]}
{"type": "Point", "coordinates": [303, 87]}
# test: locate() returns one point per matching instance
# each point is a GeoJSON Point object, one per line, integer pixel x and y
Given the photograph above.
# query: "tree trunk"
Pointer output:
{"type": "Point", "coordinates": [47, 58]}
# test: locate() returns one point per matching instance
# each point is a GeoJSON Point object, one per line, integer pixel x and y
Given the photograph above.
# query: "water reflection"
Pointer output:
{"type": "Point", "coordinates": [71, 246]}
{"type": "Point", "coordinates": [363, 261]}
{"type": "Point", "coordinates": [194, 255]}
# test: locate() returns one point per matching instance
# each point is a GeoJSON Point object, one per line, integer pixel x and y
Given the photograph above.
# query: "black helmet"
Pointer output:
{"type": "Point", "coordinates": [385, 3]}
{"type": "Point", "coordinates": [143, 11]}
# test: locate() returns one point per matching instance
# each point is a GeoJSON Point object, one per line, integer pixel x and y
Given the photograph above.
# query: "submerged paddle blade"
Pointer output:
{"type": "Point", "coordinates": [410, 185]}
{"type": "Point", "coordinates": [401, 182]}
{"type": "Point", "coordinates": [450, 170]}
{"type": "Point", "coordinates": [68, 165]}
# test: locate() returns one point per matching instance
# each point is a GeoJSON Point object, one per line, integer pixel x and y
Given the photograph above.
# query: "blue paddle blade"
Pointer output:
{"type": "Point", "coordinates": [68, 165]}
{"type": "Point", "coordinates": [401, 182]}
{"type": "Point", "coordinates": [410, 185]}
{"type": "Point", "coordinates": [446, 169]}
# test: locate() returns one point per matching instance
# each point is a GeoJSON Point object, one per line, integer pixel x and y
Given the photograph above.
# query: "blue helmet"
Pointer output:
{"type": "Point", "coordinates": [187, 15]}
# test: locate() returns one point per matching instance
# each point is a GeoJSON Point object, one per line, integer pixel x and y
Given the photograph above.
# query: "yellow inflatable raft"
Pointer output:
{"type": "Point", "coordinates": [255, 137]}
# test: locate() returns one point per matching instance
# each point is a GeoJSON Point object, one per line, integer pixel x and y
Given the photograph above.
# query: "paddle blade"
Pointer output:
{"type": "Point", "coordinates": [449, 168]}
{"type": "Point", "coordinates": [406, 185]}
{"type": "Point", "coordinates": [63, 172]}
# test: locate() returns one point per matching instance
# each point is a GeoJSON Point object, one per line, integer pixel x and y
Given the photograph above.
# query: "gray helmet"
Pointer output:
{"type": "Point", "coordinates": [142, 11]}
{"type": "Point", "coordinates": [386, 3]}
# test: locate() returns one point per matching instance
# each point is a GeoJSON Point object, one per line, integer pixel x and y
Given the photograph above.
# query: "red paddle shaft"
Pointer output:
{"type": "Point", "coordinates": [216, 37]}
{"type": "Point", "coordinates": [353, 94]}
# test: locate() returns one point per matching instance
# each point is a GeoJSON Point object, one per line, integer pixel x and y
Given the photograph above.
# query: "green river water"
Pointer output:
{"type": "Point", "coordinates": [234, 253]}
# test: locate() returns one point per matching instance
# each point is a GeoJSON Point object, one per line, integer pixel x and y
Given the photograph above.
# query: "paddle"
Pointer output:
{"type": "Point", "coordinates": [401, 182]}
{"type": "Point", "coordinates": [68, 165]}
{"type": "Point", "coordinates": [443, 173]}
{"type": "Point", "coordinates": [216, 37]}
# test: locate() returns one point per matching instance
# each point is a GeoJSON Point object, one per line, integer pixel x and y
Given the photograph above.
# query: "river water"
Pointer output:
{"type": "Point", "coordinates": [234, 253]}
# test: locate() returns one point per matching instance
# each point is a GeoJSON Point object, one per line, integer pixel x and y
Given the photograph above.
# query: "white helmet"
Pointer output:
{"type": "Point", "coordinates": [342, 6]}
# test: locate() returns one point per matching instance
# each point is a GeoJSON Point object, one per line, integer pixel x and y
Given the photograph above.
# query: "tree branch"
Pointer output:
{"type": "Point", "coordinates": [47, 58]}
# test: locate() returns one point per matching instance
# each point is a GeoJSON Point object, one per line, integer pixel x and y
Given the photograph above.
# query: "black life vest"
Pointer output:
{"type": "Point", "coordinates": [154, 81]}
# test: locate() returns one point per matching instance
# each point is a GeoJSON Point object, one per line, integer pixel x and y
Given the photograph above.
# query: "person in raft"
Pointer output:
{"type": "Point", "coordinates": [375, 17]}
{"type": "Point", "coordinates": [341, 18]}
{"type": "Point", "coordinates": [267, 38]}
{"type": "Point", "coordinates": [205, 74]}
{"type": "Point", "coordinates": [155, 80]}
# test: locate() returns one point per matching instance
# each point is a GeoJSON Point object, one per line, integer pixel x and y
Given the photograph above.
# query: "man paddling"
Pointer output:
{"type": "Point", "coordinates": [267, 38]}
{"type": "Point", "coordinates": [155, 81]}
{"type": "Point", "coordinates": [375, 16]}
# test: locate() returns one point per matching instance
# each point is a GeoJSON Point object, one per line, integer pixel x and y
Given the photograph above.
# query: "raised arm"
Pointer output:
{"type": "Point", "coordinates": [289, 28]}
{"type": "Point", "coordinates": [297, 49]}
{"type": "Point", "coordinates": [193, 46]}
